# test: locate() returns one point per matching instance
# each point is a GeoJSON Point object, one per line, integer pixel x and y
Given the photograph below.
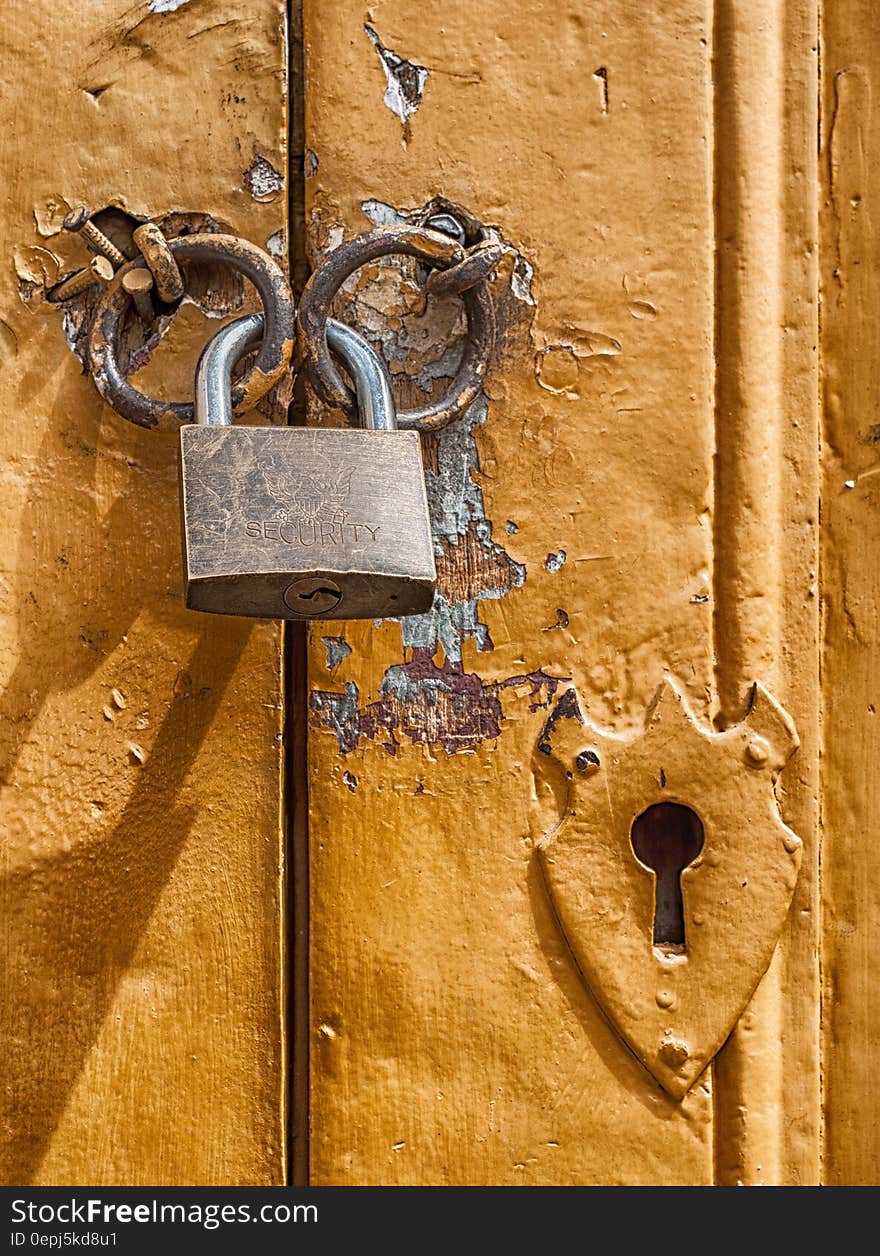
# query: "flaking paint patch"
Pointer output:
{"type": "Point", "coordinates": [37, 269]}
{"type": "Point", "coordinates": [262, 180]}
{"type": "Point", "coordinates": [166, 6]}
{"type": "Point", "coordinates": [424, 703]}
{"type": "Point", "coordinates": [49, 215]}
{"type": "Point", "coordinates": [337, 649]}
{"type": "Point", "coordinates": [405, 80]}
{"type": "Point", "coordinates": [276, 245]}
{"type": "Point", "coordinates": [382, 215]}
{"type": "Point", "coordinates": [458, 518]}
{"type": "Point", "coordinates": [556, 561]}
{"type": "Point", "coordinates": [521, 280]}
{"type": "Point", "coordinates": [429, 698]}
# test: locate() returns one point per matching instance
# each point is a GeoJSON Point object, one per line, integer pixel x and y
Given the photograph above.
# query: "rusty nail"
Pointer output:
{"type": "Point", "coordinates": [98, 270]}
{"type": "Point", "coordinates": [78, 222]}
{"type": "Point", "coordinates": [159, 258]}
{"type": "Point", "coordinates": [139, 283]}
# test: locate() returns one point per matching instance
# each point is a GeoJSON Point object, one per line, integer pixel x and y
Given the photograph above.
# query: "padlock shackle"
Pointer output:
{"type": "Point", "coordinates": [213, 393]}
{"type": "Point", "coordinates": [375, 400]}
{"type": "Point", "coordinates": [369, 374]}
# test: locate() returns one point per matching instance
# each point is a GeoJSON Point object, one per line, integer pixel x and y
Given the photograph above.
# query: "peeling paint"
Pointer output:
{"type": "Point", "coordinates": [49, 215]}
{"type": "Point", "coordinates": [382, 215]}
{"type": "Point", "coordinates": [556, 369]}
{"type": "Point", "coordinates": [166, 6]}
{"type": "Point", "coordinates": [562, 620]}
{"type": "Point", "coordinates": [521, 280]}
{"type": "Point", "coordinates": [338, 651]}
{"type": "Point", "coordinates": [335, 236]}
{"type": "Point", "coordinates": [555, 562]}
{"type": "Point", "coordinates": [37, 269]}
{"type": "Point", "coordinates": [471, 566]}
{"type": "Point", "coordinates": [558, 365]}
{"type": "Point", "coordinates": [276, 245]}
{"type": "Point", "coordinates": [566, 709]}
{"type": "Point", "coordinates": [426, 704]}
{"type": "Point", "coordinates": [405, 80]}
{"type": "Point", "coordinates": [601, 77]}
{"type": "Point", "coordinates": [262, 180]}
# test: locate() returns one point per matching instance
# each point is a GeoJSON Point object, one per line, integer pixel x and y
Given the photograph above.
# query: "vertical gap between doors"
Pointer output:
{"type": "Point", "coordinates": [296, 796]}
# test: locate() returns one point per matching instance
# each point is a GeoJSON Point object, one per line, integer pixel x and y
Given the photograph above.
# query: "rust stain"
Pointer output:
{"type": "Point", "coordinates": [426, 704]}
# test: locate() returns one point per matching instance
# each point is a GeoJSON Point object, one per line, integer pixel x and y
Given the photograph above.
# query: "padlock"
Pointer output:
{"type": "Point", "coordinates": [303, 523]}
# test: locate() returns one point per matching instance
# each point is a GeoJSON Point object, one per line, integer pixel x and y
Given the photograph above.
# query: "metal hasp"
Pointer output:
{"type": "Point", "coordinates": [303, 523]}
{"type": "Point", "coordinates": [673, 990]}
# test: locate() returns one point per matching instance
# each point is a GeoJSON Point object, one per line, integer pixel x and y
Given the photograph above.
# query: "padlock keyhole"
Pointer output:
{"type": "Point", "coordinates": [667, 838]}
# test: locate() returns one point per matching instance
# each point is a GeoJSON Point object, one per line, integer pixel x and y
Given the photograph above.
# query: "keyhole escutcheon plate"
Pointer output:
{"type": "Point", "coordinates": [670, 869]}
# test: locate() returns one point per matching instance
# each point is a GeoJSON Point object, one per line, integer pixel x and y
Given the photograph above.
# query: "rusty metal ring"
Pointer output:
{"type": "Point", "coordinates": [271, 360]}
{"type": "Point", "coordinates": [478, 264]}
{"type": "Point", "coordinates": [434, 249]}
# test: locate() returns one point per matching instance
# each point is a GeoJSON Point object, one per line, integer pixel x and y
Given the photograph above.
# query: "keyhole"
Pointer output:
{"type": "Point", "coordinates": [667, 838]}
{"type": "Point", "coordinates": [311, 597]}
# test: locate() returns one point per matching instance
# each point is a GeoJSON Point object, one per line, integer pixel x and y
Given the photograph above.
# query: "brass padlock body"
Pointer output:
{"type": "Point", "coordinates": [266, 510]}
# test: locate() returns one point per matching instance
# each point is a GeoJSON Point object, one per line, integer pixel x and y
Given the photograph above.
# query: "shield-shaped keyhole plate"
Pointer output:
{"type": "Point", "coordinates": [675, 998]}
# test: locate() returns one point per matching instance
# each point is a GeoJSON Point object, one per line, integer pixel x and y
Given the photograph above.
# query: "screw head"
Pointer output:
{"type": "Point", "coordinates": [311, 597]}
{"type": "Point", "coordinates": [76, 219]}
{"type": "Point", "coordinates": [587, 762]}
{"type": "Point", "coordinates": [447, 225]}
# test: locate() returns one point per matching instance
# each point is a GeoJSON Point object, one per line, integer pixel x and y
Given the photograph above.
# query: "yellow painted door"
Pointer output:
{"type": "Point", "coordinates": [669, 475]}
{"type": "Point", "coordinates": [637, 497]}
{"type": "Point", "coordinates": [140, 744]}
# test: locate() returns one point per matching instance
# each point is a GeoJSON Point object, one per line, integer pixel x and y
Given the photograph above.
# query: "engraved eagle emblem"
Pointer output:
{"type": "Point", "coordinates": [316, 494]}
{"type": "Point", "coordinates": [320, 497]}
